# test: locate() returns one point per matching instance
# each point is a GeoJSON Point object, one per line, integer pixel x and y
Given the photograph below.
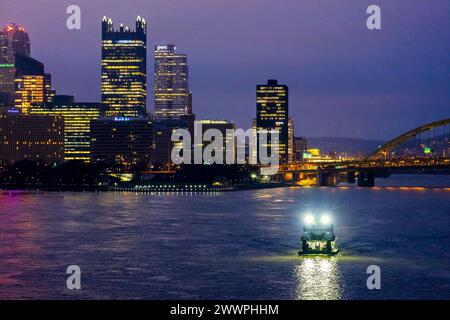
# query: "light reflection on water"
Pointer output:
{"type": "Point", "coordinates": [318, 278]}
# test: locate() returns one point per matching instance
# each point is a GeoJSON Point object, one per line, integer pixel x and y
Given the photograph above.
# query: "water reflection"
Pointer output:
{"type": "Point", "coordinates": [318, 279]}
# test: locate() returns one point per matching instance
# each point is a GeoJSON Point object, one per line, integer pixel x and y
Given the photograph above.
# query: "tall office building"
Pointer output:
{"type": "Point", "coordinates": [291, 137]}
{"type": "Point", "coordinates": [124, 69]}
{"type": "Point", "coordinates": [77, 131]}
{"type": "Point", "coordinates": [252, 150]}
{"type": "Point", "coordinates": [172, 96]}
{"type": "Point", "coordinates": [13, 40]}
{"type": "Point", "coordinates": [272, 113]}
{"type": "Point", "coordinates": [22, 79]}
{"type": "Point", "coordinates": [32, 84]}
{"type": "Point", "coordinates": [31, 137]}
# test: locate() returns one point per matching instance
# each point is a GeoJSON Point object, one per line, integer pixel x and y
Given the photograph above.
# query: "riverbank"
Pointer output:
{"type": "Point", "coordinates": [149, 188]}
{"type": "Point", "coordinates": [187, 187]}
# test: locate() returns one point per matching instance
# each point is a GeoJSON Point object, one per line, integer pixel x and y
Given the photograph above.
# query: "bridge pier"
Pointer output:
{"type": "Point", "coordinates": [366, 179]}
{"type": "Point", "coordinates": [280, 178]}
{"type": "Point", "coordinates": [351, 177]}
{"type": "Point", "coordinates": [325, 179]}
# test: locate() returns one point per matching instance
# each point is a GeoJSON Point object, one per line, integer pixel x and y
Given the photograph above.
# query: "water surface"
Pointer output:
{"type": "Point", "coordinates": [236, 245]}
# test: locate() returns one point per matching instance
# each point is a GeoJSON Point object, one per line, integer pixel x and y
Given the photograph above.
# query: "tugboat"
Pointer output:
{"type": "Point", "coordinates": [318, 236]}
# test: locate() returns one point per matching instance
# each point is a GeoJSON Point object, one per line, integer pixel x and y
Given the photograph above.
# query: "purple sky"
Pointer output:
{"type": "Point", "coordinates": [344, 80]}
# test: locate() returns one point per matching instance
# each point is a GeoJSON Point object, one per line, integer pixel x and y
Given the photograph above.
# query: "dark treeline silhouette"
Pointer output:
{"type": "Point", "coordinates": [234, 174]}
{"type": "Point", "coordinates": [77, 175]}
{"type": "Point", "coordinates": [67, 175]}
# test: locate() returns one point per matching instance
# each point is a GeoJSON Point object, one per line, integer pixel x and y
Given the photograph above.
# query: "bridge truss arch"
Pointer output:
{"type": "Point", "coordinates": [385, 149]}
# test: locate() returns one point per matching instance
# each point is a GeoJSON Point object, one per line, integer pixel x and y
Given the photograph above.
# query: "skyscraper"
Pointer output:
{"type": "Point", "coordinates": [124, 69]}
{"type": "Point", "coordinates": [172, 96]}
{"type": "Point", "coordinates": [272, 113]}
{"type": "Point", "coordinates": [32, 86]}
{"type": "Point", "coordinates": [13, 40]}
{"type": "Point", "coordinates": [22, 79]}
{"type": "Point", "coordinates": [291, 141]}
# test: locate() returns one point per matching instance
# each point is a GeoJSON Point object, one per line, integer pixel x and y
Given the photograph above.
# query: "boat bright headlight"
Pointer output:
{"type": "Point", "coordinates": [325, 219]}
{"type": "Point", "coordinates": [309, 219]}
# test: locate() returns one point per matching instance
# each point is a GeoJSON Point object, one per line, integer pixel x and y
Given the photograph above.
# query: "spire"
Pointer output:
{"type": "Point", "coordinates": [106, 25]}
{"type": "Point", "coordinates": [141, 27]}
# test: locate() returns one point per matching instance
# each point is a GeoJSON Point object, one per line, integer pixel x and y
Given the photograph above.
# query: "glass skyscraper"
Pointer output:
{"type": "Point", "coordinates": [172, 96]}
{"type": "Point", "coordinates": [124, 69]}
{"type": "Point", "coordinates": [13, 40]}
{"type": "Point", "coordinates": [272, 112]}
{"type": "Point", "coordinates": [23, 82]}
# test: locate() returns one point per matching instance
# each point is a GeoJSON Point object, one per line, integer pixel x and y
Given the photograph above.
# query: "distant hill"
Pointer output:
{"type": "Point", "coordinates": [352, 146]}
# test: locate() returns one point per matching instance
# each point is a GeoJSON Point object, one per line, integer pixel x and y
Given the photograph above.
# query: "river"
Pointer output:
{"type": "Point", "coordinates": [231, 245]}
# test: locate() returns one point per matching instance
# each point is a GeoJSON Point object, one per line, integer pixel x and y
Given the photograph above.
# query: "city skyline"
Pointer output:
{"type": "Point", "coordinates": [224, 158]}
{"type": "Point", "coordinates": [388, 77]}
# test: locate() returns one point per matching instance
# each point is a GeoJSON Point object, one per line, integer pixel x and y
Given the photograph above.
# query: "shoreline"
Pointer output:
{"type": "Point", "coordinates": [215, 190]}
{"type": "Point", "coordinates": [161, 188]}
